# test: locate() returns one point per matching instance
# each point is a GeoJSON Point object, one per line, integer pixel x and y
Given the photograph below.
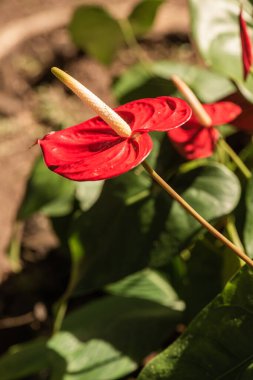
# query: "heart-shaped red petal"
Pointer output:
{"type": "Point", "coordinates": [193, 140]}
{"type": "Point", "coordinates": [221, 112]}
{"type": "Point", "coordinates": [93, 151]}
{"type": "Point", "coordinates": [155, 114]}
{"type": "Point", "coordinates": [246, 46]}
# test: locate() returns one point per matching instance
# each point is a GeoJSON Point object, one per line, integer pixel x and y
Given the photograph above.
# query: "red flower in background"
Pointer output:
{"type": "Point", "coordinates": [193, 140]}
{"type": "Point", "coordinates": [246, 46]}
{"type": "Point", "coordinates": [92, 150]}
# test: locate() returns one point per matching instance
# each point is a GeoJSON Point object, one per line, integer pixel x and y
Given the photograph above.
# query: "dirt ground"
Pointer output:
{"type": "Point", "coordinates": [34, 37]}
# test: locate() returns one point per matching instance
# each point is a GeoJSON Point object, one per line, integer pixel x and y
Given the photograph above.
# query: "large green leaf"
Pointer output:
{"type": "Point", "coordinates": [113, 232]}
{"type": "Point", "coordinates": [216, 33]}
{"type": "Point", "coordinates": [139, 83]}
{"type": "Point", "coordinates": [129, 228]}
{"type": "Point", "coordinates": [111, 336]}
{"type": "Point", "coordinates": [24, 360]}
{"type": "Point", "coordinates": [47, 192]}
{"type": "Point", "coordinates": [248, 228]}
{"type": "Point", "coordinates": [200, 273]}
{"type": "Point", "coordinates": [217, 344]}
{"type": "Point", "coordinates": [212, 190]}
{"type": "Point", "coordinates": [106, 339]}
{"type": "Point", "coordinates": [96, 32]}
{"type": "Point", "coordinates": [143, 15]}
{"type": "Point", "coordinates": [147, 284]}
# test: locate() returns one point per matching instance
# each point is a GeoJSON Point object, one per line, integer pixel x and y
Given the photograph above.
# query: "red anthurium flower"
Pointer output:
{"type": "Point", "coordinates": [246, 46]}
{"type": "Point", "coordinates": [193, 140]}
{"type": "Point", "coordinates": [92, 150]}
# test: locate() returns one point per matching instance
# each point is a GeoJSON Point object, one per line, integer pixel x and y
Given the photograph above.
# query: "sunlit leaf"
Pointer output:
{"type": "Point", "coordinates": [95, 31]}
{"type": "Point", "coordinates": [137, 82]}
{"type": "Point", "coordinates": [147, 284]}
{"type": "Point", "coordinates": [216, 33]}
{"type": "Point", "coordinates": [108, 338]}
{"type": "Point", "coordinates": [143, 15]}
{"type": "Point", "coordinates": [47, 193]}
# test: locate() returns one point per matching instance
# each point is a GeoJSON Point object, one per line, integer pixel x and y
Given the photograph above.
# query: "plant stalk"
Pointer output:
{"type": "Point", "coordinates": [239, 163]}
{"type": "Point", "coordinates": [238, 251]}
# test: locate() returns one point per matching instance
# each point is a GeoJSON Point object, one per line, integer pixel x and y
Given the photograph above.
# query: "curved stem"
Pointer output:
{"type": "Point", "coordinates": [132, 43]}
{"type": "Point", "coordinates": [238, 251]}
{"type": "Point", "coordinates": [239, 163]}
{"type": "Point", "coordinates": [197, 108]}
{"type": "Point", "coordinates": [62, 304]}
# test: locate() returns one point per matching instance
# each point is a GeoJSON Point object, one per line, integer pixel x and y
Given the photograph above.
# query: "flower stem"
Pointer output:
{"type": "Point", "coordinates": [197, 108]}
{"type": "Point", "coordinates": [77, 256]}
{"type": "Point", "coordinates": [238, 251]}
{"type": "Point", "coordinates": [239, 163]}
{"type": "Point", "coordinates": [133, 44]}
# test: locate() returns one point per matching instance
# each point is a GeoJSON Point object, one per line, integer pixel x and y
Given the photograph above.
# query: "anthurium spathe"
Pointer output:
{"type": "Point", "coordinates": [197, 138]}
{"type": "Point", "coordinates": [194, 140]}
{"type": "Point", "coordinates": [246, 45]}
{"type": "Point", "coordinates": [100, 148]}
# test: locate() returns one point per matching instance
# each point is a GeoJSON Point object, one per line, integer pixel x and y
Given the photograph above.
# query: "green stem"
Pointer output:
{"type": "Point", "coordinates": [133, 44]}
{"type": "Point", "coordinates": [233, 233]}
{"type": "Point", "coordinates": [238, 251]}
{"type": "Point", "coordinates": [15, 245]}
{"type": "Point", "coordinates": [239, 163]}
{"type": "Point", "coordinates": [61, 306]}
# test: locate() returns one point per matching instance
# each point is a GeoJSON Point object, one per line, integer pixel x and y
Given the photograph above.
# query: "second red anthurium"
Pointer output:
{"type": "Point", "coordinates": [94, 150]}
{"type": "Point", "coordinates": [194, 140]}
{"type": "Point", "coordinates": [247, 57]}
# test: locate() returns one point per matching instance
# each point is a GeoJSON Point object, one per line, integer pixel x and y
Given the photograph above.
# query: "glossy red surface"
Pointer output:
{"type": "Point", "coordinates": [246, 46]}
{"type": "Point", "coordinates": [93, 151]}
{"type": "Point", "coordinates": [193, 140]}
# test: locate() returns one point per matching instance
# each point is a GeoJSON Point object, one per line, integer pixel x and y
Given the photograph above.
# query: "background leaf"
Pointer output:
{"type": "Point", "coordinates": [248, 227]}
{"type": "Point", "coordinates": [24, 360]}
{"type": "Point", "coordinates": [46, 192]}
{"type": "Point", "coordinates": [217, 36]}
{"type": "Point", "coordinates": [143, 15]}
{"type": "Point", "coordinates": [96, 32]}
{"type": "Point", "coordinates": [107, 332]}
{"type": "Point", "coordinates": [137, 83]}
{"type": "Point", "coordinates": [147, 284]}
{"type": "Point", "coordinates": [208, 189]}
{"type": "Point", "coordinates": [217, 344]}
{"type": "Point", "coordinates": [87, 193]}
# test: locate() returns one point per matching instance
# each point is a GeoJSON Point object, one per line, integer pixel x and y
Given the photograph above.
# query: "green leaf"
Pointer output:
{"type": "Point", "coordinates": [217, 344]}
{"type": "Point", "coordinates": [143, 15]}
{"type": "Point", "coordinates": [106, 339]}
{"type": "Point", "coordinates": [138, 83]}
{"type": "Point", "coordinates": [96, 32]}
{"type": "Point", "coordinates": [147, 284]}
{"type": "Point", "coordinates": [113, 232]}
{"type": "Point", "coordinates": [216, 34]}
{"type": "Point", "coordinates": [88, 192]}
{"type": "Point", "coordinates": [212, 190]}
{"type": "Point", "coordinates": [109, 337]}
{"type": "Point", "coordinates": [247, 233]}
{"type": "Point", "coordinates": [47, 192]}
{"type": "Point", "coordinates": [24, 360]}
